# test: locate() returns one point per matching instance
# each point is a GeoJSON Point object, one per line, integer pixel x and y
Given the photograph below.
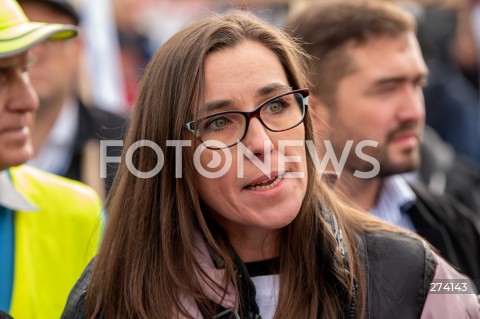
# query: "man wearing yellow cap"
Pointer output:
{"type": "Point", "coordinates": [49, 226]}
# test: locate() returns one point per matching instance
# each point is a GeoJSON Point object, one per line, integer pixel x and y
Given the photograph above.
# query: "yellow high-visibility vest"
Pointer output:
{"type": "Point", "coordinates": [52, 245]}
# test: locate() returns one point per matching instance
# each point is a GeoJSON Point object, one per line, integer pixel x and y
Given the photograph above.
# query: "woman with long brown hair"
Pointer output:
{"type": "Point", "coordinates": [219, 212]}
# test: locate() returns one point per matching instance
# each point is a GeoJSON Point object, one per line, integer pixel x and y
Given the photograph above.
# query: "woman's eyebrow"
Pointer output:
{"type": "Point", "coordinates": [224, 104]}
{"type": "Point", "coordinates": [266, 90]}
{"type": "Point", "coordinates": [217, 105]}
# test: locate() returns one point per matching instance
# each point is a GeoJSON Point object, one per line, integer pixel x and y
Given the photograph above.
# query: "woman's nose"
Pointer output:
{"type": "Point", "coordinates": [257, 139]}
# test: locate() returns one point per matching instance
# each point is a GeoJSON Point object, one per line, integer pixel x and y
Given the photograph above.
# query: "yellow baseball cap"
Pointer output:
{"type": "Point", "coordinates": [18, 34]}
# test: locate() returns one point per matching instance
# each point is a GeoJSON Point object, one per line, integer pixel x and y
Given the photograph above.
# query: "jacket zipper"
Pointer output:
{"type": "Point", "coordinates": [241, 294]}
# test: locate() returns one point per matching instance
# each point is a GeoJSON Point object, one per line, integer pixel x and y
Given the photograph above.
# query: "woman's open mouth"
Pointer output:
{"type": "Point", "coordinates": [268, 184]}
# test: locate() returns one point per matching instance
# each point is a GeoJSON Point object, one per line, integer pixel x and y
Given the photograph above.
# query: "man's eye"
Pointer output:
{"type": "Point", "coordinates": [387, 88]}
{"type": "Point", "coordinates": [31, 60]}
{"type": "Point", "coordinates": [3, 77]}
{"type": "Point", "coordinates": [421, 83]}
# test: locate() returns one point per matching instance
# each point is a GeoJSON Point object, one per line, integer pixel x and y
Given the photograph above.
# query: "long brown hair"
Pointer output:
{"type": "Point", "coordinates": [147, 259]}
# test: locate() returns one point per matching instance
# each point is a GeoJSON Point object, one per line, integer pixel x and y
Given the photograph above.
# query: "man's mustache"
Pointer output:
{"type": "Point", "coordinates": [410, 127]}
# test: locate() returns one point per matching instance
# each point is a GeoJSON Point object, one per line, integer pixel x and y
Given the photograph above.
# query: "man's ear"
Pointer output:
{"type": "Point", "coordinates": [320, 114]}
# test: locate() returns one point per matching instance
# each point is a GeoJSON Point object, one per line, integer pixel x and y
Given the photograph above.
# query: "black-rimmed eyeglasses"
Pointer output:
{"type": "Point", "coordinates": [279, 113]}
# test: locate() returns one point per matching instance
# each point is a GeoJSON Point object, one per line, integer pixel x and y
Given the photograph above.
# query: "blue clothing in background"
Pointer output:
{"type": "Point", "coordinates": [6, 257]}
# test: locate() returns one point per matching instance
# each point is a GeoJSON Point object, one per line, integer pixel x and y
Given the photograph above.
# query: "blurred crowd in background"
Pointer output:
{"type": "Point", "coordinates": [122, 35]}
{"type": "Point", "coordinates": [87, 87]}
{"type": "Point", "coordinates": [141, 27]}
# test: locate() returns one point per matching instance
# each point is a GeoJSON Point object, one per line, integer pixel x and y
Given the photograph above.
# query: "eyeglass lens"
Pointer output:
{"type": "Point", "coordinates": [280, 114]}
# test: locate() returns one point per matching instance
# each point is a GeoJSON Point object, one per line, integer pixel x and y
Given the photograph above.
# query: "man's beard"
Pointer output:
{"type": "Point", "coordinates": [409, 158]}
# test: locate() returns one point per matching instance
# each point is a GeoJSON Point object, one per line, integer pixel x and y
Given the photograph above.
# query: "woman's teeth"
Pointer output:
{"type": "Point", "coordinates": [260, 187]}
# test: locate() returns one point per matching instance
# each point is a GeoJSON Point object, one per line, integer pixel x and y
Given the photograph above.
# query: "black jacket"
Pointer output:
{"type": "Point", "coordinates": [445, 172]}
{"type": "Point", "coordinates": [449, 226]}
{"type": "Point", "coordinates": [398, 272]}
{"type": "Point", "coordinates": [95, 124]}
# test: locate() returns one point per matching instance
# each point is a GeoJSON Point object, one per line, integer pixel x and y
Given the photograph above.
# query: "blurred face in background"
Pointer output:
{"type": "Point", "coordinates": [381, 100]}
{"type": "Point", "coordinates": [54, 63]}
{"type": "Point", "coordinates": [18, 101]}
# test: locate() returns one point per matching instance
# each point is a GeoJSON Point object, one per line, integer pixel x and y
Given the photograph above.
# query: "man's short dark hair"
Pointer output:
{"type": "Point", "coordinates": [325, 29]}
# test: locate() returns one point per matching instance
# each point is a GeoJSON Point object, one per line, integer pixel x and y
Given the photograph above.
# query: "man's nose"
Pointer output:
{"type": "Point", "coordinates": [21, 95]}
{"type": "Point", "coordinates": [412, 106]}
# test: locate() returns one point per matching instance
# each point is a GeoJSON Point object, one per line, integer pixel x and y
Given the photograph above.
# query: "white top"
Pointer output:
{"type": "Point", "coordinates": [267, 288]}
{"type": "Point", "coordinates": [11, 198]}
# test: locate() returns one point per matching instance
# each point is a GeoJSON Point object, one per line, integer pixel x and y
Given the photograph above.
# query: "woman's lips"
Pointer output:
{"type": "Point", "coordinates": [269, 184]}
